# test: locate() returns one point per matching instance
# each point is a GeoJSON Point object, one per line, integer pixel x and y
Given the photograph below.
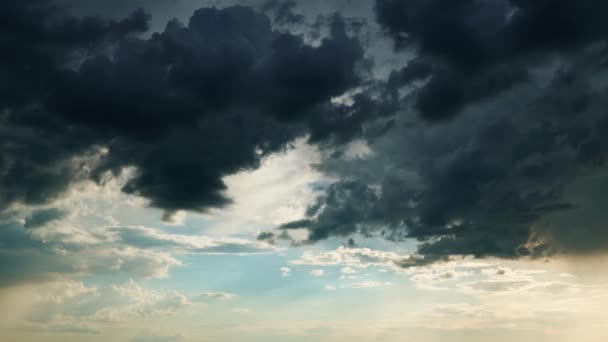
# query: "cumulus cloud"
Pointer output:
{"type": "Point", "coordinates": [347, 270]}
{"type": "Point", "coordinates": [170, 104]}
{"type": "Point", "coordinates": [317, 273]}
{"type": "Point", "coordinates": [43, 39]}
{"type": "Point", "coordinates": [285, 271]}
{"type": "Point", "coordinates": [498, 142]}
{"type": "Point", "coordinates": [36, 256]}
{"type": "Point", "coordinates": [351, 258]}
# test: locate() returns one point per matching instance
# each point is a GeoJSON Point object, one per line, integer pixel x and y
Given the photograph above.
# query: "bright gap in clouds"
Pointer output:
{"type": "Point", "coordinates": [277, 192]}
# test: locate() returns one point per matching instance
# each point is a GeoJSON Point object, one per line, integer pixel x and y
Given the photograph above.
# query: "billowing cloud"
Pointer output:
{"type": "Point", "coordinates": [317, 273]}
{"type": "Point", "coordinates": [348, 270]}
{"type": "Point", "coordinates": [42, 40]}
{"type": "Point", "coordinates": [499, 141]}
{"type": "Point", "coordinates": [473, 50]}
{"type": "Point", "coordinates": [350, 258]}
{"type": "Point", "coordinates": [185, 107]}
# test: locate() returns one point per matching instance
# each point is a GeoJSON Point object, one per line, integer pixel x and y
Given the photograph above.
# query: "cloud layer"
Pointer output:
{"type": "Point", "coordinates": [499, 135]}
{"type": "Point", "coordinates": [185, 107]}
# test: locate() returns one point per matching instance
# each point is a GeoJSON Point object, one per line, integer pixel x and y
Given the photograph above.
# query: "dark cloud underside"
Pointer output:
{"type": "Point", "coordinates": [185, 107]}
{"type": "Point", "coordinates": [509, 120]}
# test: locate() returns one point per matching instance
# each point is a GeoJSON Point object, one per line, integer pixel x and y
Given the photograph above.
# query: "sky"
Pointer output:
{"type": "Point", "coordinates": [290, 170]}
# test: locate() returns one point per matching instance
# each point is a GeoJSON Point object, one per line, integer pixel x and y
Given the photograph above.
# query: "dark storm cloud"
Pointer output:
{"type": "Point", "coordinates": [470, 50]}
{"type": "Point", "coordinates": [267, 237]}
{"type": "Point", "coordinates": [524, 83]}
{"type": "Point", "coordinates": [340, 211]}
{"type": "Point", "coordinates": [185, 107]}
{"type": "Point", "coordinates": [272, 238]}
{"type": "Point", "coordinates": [283, 11]}
{"type": "Point", "coordinates": [38, 39]}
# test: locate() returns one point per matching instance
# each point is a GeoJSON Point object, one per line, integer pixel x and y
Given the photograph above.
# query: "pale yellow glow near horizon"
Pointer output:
{"type": "Point", "coordinates": [563, 299]}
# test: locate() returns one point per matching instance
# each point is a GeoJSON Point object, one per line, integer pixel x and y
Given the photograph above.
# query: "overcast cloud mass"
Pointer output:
{"type": "Point", "coordinates": [193, 170]}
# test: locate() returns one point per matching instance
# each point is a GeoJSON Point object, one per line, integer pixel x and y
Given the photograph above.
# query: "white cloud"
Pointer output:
{"type": "Point", "coordinates": [351, 257]}
{"type": "Point", "coordinates": [438, 276]}
{"type": "Point", "coordinates": [510, 272]}
{"type": "Point", "coordinates": [348, 270]}
{"type": "Point", "coordinates": [215, 295]}
{"type": "Point", "coordinates": [68, 306]}
{"type": "Point", "coordinates": [369, 284]}
{"type": "Point", "coordinates": [150, 238]}
{"type": "Point", "coordinates": [317, 273]}
{"type": "Point", "coordinates": [285, 271]}
{"type": "Point", "coordinates": [545, 309]}
{"type": "Point", "coordinates": [55, 258]}
{"type": "Point", "coordinates": [71, 305]}
{"type": "Point", "coordinates": [62, 248]}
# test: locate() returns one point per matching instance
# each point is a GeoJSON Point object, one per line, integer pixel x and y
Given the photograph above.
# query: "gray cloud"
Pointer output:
{"type": "Point", "coordinates": [510, 177]}
{"type": "Point", "coordinates": [186, 106]}
{"type": "Point", "coordinates": [472, 50]}
{"type": "Point", "coordinates": [41, 217]}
